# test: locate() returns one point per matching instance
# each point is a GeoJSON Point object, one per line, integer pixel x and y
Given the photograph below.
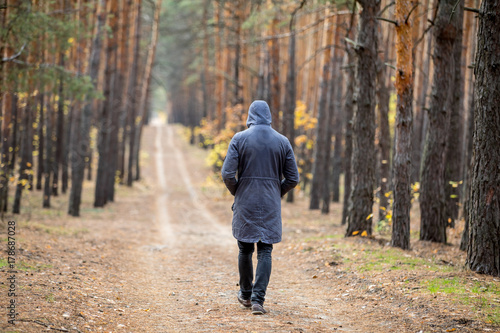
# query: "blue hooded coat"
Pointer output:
{"type": "Point", "coordinates": [258, 170]}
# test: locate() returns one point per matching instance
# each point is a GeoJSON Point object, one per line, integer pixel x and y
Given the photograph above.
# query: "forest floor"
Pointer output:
{"type": "Point", "coordinates": [162, 259]}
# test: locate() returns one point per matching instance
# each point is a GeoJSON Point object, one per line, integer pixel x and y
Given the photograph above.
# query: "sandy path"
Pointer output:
{"type": "Point", "coordinates": [192, 283]}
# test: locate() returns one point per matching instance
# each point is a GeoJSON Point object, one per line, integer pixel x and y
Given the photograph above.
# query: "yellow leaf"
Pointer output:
{"type": "Point", "coordinates": [369, 216]}
{"type": "Point", "coordinates": [354, 233]}
{"type": "Point", "coordinates": [364, 233]}
{"type": "Point", "coordinates": [451, 330]}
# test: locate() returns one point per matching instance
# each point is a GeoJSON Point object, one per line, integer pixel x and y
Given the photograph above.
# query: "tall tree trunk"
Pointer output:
{"type": "Point", "coordinates": [65, 157]}
{"type": "Point", "coordinates": [133, 93]}
{"type": "Point", "coordinates": [432, 201]}
{"type": "Point", "coordinates": [80, 150]}
{"type": "Point", "coordinates": [338, 122]}
{"type": "Point", "coordinates": [333, 161]}
{"type": "Point", "coordinates": [6, 112]}
{"type": "Point", "coordinates": [237, 19]}
{"type": "Point", "coordinates": [59, 131]}
{"type": "Point", "coordinates": [469, 150]}
{"type": "Point", "coordinates": [453, 167]}
{"type": "Point", "coordinates": [359, 218]}
{"type": "Point", "coordinates": [384, 137]}
{"type": "Point", "coordinates": [24, 163]}
{"type": "Point", "coordinates": [291, 89]}
{"type": "Point", "coordinates": [404, 117]}
{"type": "Point", "coordinates": [12, 143]}
{"type": "Point", "coordinates": [105, 172]}
{"type": "Point", "coordinates": [127, 59]}
{"type": "Point", "coordinates": [350, 78]}
{"type": "Point", "coordinates": [321, 162]}
{"type": "Point", "coordinates": [275, 75]}
{"type": "Point", "coordinates": [48, 158]}
{"type": "Point", "coordinates": [146, 82]}
{"type": "Point", "coordinates": [483, 251]}
{"type": "Point", "coordinates": [41, 150]}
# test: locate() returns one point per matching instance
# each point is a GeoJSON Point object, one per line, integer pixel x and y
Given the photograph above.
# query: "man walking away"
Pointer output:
{"type": "Point", "coordinates": [259, 170]}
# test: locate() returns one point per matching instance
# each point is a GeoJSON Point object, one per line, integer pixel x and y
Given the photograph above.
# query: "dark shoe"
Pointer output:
{"type": "Point", "coordinates": [258, 309]}
{"type": "Point", "coordinates": [245, 302]}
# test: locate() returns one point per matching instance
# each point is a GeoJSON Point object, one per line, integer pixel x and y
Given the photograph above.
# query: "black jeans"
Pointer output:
{"type": "Point", "coordinates": [256, 292]}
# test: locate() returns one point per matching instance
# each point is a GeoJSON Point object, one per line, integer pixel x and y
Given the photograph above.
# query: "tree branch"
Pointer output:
{"type": "Point", "coordinates": [15, 55]}
{"type": "Point", "coordinates": [388, 20]}
{"type": "Point", "coordinates": [390, 65]}
{"type": "Point", "coordinates": [474, 10]}
{"type": "Point", "coordinates": [411, 11]}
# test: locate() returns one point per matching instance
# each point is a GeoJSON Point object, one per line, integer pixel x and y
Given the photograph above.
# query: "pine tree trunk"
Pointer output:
{"type": "Point", "coordinates": [41, 150]}
{"type": "Point", "coordinates": [105, 172]}
{"type": "Point", "coordinates": [338, 121]}
{"type": "Point", "coordinates": [275, 76]}
{"type": "Point", "coordinates": [24, 164]}
{"type": "Point", "coordinates": [321, 162]}
{"type": "Point", "coordinates": [133, 93]}
{"type": "Point", "coordinates": [384, 140]}
{"type": "Point", "coordinates": [453, 168]}
{"type": "Point", "coordinates": [48, 158]}
{"type": "Point", "coordinates": [404, 117]}
{"type": "Point", "coordinates": [348, 111]}
{"type": "Point", "coordinates": [59, 132]}
{"type": "Point", "coordinates": [432, 201]}
{"type": "Point", "coordinates": [359, 217]}
{"type": "Point", "coordinates": [65, 157]}
{"type": "Point", "coordinates": [145, 84]}
{"type": "Point", "coordinates": [420, 117]}
{"type": "Point", "coordinates": [291, 89]}
{"type": "Point", "coordinates": [80, 150]}
{"type": "Point", "coordinates": [483, 251]}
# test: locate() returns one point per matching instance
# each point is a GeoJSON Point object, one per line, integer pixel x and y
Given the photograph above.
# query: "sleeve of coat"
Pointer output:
{"type": "Point", "coordinates": [230, 167]}
{"type": "Point", "coordinates": [290, 172]}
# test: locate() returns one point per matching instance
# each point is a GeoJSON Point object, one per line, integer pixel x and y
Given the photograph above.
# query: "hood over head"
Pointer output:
{"type": "Point", "coordinates": [259, 114]}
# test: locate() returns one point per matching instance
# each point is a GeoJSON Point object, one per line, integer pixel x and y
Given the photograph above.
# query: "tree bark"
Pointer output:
{"type": "Point", "coordinates": [59, 144]}
{"type": "Point", "coordinates": [80, 150]}
{"type": "Point", "coordinates": [350, 77]}
{"type": "Point", "coordinates": [105, 172]}
{"type": "Point", "coordinates": [359, 218]}
{"type": "Point", "coordinates": [404, 117]}
{"type": "Point", "coordinates": [483, 251]}
{"type": "Point", "coordinates": [321, 162]}
{"type": "Point", "coordinates": [133, 94]}
{"type": "Point", "coordinates": [384, 139]}
{"type": "Point", "coordinates": [453, 169]}
{"type": "Point", "coordinates": [291, 89]}
{"type": "Point", "coordinates": [146, 82]}
{"type": "Point", "coordinates": [41, 150]}
{"type": "Point", "coordinates": [24, 163]}
{"type": "Point", "coordinates": [48, 158]}
{"type": "Point", "coordinates": [432, 201]}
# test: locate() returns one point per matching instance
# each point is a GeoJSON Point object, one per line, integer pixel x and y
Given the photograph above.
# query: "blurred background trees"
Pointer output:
{"type": "Point", "coordinates": [74, 84]}
{"type": "Point", "coordinates": [376, 97]}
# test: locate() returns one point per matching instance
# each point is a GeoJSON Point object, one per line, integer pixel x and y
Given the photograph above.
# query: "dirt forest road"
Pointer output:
{"type": "Point", "coordinates": [194, 281]}
{"type": "Point", "coordinates": [162, 259]}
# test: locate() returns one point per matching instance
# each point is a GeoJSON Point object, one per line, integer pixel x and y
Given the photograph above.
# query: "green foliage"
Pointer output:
{"type": "Point", "coordinates": [38, 42]}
